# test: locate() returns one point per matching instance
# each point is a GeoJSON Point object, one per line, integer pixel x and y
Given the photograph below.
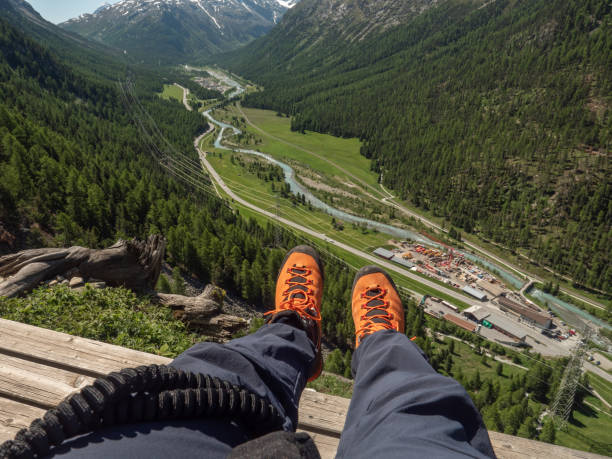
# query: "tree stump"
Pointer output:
{"type": "Point", "coordinates": [131, 264]}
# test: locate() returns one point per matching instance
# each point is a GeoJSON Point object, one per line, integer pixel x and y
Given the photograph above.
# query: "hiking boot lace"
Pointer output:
{"type": "Point", "coordinates": [379, 320]}
{"type": "Point", "coordinates": [298, 297]}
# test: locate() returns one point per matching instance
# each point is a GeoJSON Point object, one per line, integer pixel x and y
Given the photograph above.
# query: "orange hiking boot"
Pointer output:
{"type": "Point", "coordinates": [376, 303]}
{"type": "Point", "coordinates": [299, 288]}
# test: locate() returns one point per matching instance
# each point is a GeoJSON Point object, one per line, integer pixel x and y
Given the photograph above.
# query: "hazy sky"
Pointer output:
{"type": "Point", "coordinates": [57, 11]}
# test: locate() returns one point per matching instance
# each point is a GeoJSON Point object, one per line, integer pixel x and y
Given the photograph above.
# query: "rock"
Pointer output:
{"type": "Point", "coordinates": [64, 282]}
{"type": "Point", "coordinates": [203, 312]}
{"type": "Point", "coordinates": [76, 282]}
{"type": "Point", "coordinates": [53, 283]}
{"type": "Point", "coordinates": [188, 307]}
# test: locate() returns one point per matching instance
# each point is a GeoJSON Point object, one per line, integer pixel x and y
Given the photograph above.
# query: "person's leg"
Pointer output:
{"type": "Point", "coordinates": [401, 407]}
{"type": "Point", "coordinates": [275, 363]}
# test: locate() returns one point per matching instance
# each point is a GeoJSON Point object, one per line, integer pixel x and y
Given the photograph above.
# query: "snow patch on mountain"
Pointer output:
{"type": "Point", "coordinates": [179, 29]}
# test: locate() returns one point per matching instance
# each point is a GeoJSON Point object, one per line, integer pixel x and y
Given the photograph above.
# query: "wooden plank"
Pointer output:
{"type": "Point", "coordinates": [37, 390]}
{"type": "Point", "coordinates": [509, 447]}
{"type": "Point", "coordinates": [69, 352]}
{"type": "Point", "coordinates": [35, 369]}
{"type": "Point", "coordinates": [322, 412]}
{"type": "Point", "coordinates": [14, 416]}
{"type": "Point", "coordinates": [327, 445]}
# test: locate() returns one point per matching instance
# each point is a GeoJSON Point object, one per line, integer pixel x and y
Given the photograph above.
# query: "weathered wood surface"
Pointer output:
{"type": "Point", "coordinates": [132, 264]}
{"type": "Point", "coordinates": [31, 383]}
{"type": "Point", "coordinates": [509, 447]}
{"type": "Point", "coordinates": [14, 416]}
{"type": "Point", "coordinates": [39, 367]}
{"type": "Point", "coordinates": [60, 350]}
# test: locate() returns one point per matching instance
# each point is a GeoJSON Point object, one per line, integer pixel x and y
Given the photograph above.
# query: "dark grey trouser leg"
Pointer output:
{"type": "Point", "coordinates": [402, 407]}
{"type": "Point", "coordinates": [272, 363]}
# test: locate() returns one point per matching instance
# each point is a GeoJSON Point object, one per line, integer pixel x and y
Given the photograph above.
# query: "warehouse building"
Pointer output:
{"type": "Point", "coordinates": [475, 293]}
{"type": "Point", "coordinates": [403, 262]}
{"type": "Point", "coordinates": [526, 314]}
{"type": "Point", "coordinates": [490, 287]}
{"type": "Point", "coordinates": [460, 322]}
{"type": "Point", "coordinates": [476, 313]}
{"type": "Point", "coordinates": [384, 253]}
{"type": "Point", "coordinates": [505, 326]}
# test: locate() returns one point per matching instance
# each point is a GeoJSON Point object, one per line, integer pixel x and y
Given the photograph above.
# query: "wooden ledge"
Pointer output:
{"type": "Point", "coordinates": [39, 368]}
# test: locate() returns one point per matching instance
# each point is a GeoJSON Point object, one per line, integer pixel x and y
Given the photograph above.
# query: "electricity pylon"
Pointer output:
{"type": "Point", "coordinates": [564, 400]}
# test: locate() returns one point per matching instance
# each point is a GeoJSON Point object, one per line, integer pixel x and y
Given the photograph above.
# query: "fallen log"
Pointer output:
{"type": "Point", "coordinates": [189, 308]}
{"type": "Point", "coordinates": [131, 264]}
{"type": "Point", "coordinates": [222, 326]}
{"type": "Point", "coordinates": [203, 312]}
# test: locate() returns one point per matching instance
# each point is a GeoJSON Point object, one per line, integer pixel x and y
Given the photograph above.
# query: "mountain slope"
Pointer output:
{"type": "Point", "coordinates": [179, 30]}
{"type": "Point", "coordinates": [90, 57]}
{"type": "Point", "coordinates": [495, 116]}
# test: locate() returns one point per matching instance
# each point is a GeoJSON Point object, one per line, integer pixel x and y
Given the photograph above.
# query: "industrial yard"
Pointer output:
{"type": "Point", "coordinates": [446, 266]}
{"type": "Point", "coordinates": [493, 321]}
{"type": "Point", "coordinates": [498, 314]}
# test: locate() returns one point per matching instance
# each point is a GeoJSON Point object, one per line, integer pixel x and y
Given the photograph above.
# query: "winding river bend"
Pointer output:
{"type": "Point", "coordinates": [296, 187]}
{"type": "Point", "coordinates": [573, 314]}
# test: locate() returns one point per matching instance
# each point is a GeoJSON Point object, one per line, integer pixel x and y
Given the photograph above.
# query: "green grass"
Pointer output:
{"type": "Point", "coordinates": [588, 429]}
{"type": "Point", "coordinates": [329, 384]}
{"type": "Point", "coordinates": [282, 143]}
{"type": "Point", "coordinates": [115, 316]}
{"type": "Point", "coordinates": [603, 387]}
{"type": "Point", "coordinates": [249, 187]}
{"type": "Point", "coordinates": [172, 92]}
{"type": "Point", "coordinates": [591, 422]}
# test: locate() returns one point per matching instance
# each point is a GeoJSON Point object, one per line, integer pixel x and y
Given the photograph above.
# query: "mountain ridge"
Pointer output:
{"type": "Point", "coordinates": [177, 31]}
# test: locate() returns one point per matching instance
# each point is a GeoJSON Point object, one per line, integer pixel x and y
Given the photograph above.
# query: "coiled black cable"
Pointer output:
{"type": "Point", "coordinates": [142, 394]}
